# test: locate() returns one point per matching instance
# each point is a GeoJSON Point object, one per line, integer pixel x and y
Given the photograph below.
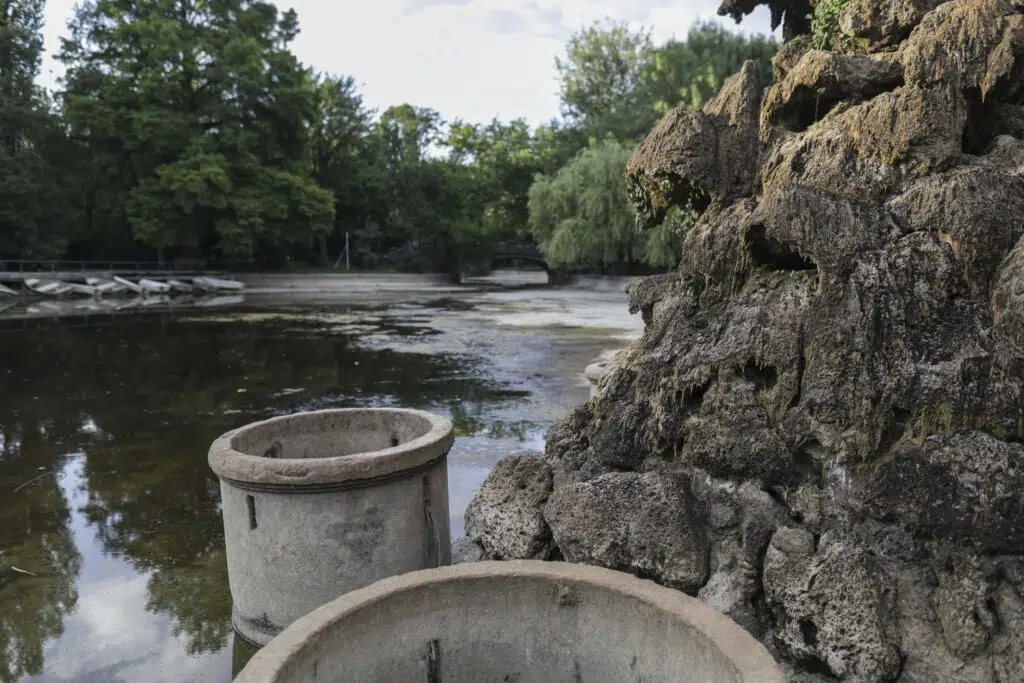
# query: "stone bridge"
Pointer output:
{"type": "Point", "coordinates": [507, 253]}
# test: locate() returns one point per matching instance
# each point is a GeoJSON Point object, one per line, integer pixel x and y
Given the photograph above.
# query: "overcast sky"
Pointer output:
{"type": "Point", "coordinates": [471, 59]}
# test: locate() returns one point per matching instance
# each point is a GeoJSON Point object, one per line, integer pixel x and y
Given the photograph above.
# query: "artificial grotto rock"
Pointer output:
{"type": "Point", "coordinates": [821, 430]}
{"type": "Point", "coordinates": [506, 516]}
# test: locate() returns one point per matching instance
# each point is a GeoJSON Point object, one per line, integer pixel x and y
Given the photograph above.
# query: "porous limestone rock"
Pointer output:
{"type": "Point", "coordinates": [832, 605]}
{"type": "Point", "coordinates": [505, 517]}
{"type": "Point", "coordinates": [645, 524]}
{"type": "Point", "coordinates": [465, 550]}
{"type": "Point", "coordinates": [1008, 299]}
{"type": "Point", "coordinates": [819, 80]}
{"type": "Point", "coordinates": [882, 25]}
{"type": "Point", "coordinates": [821, 430]}
{"type": "Point", "coordinates": [700, 157]}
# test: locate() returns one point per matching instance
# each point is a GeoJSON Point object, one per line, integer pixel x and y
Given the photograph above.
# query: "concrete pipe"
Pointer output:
{"type": "Point", "coordinates": [598, 369]}
{"type": "Point", "coordinates": [526, 621]}
{"type": "Point", "coordinates": [318, 504]}
{"type": "Point", "coordinates": [594, 372]}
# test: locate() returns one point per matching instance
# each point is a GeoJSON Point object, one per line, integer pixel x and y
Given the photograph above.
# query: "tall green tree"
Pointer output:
{"type": "Point", "coordinates": [33, 215]}
{"type": "Point", "coordinates": [687, 73]}
{"type": "Point", "coordinates": [197, 115]}
{"type": "Point", "coordinates": [407, 134]}
{"type": "Point", "coordinates": [616, 81]}
{"type": "Point", "coordinates": [503, 157]}
{"type": "Point", "coordinates": [21, 46]}
{"type": "Point", "coordinates": [582, 216]}
{"type": "Point", "coordinates": [340, 160]}
{"type": "Point", "coordinates": [600, 77]}
{"type": "Point", "coordinates": [556, 143]}
{"type": "Point", "coordinates": [403, 137]}
{"type": "Point", "coordinates": [615, 85]}
{"type": "Point", "coordinates": [187, 127]}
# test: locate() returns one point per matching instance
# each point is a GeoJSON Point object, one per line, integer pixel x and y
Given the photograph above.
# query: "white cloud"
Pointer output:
{"type": "Point", "coordinates": [111, 637]}
{"type": "Point", "coordinates": [670, 20]}
{"type": "Point", "coordinates": [473, 59]}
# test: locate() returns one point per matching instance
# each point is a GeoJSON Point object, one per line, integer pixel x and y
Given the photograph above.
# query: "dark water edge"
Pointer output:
{"type": "Point", "coordinates": [111, 547]}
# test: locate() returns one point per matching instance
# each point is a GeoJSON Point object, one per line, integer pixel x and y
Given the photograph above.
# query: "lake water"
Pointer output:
{"type": "Point", "coordinates": [112, 565]}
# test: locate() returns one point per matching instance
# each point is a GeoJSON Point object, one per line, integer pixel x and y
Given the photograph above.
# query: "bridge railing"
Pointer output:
{"type": "Point", "coordinates": [62, 266]}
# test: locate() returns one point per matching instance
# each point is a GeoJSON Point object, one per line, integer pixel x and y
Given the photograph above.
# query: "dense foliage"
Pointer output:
{"type": "Point", "coordinates": [825, 32]}
{"type": "Point", "coordinates": [188, 129]}
{"type": "Point", "coordinates": [32, 212]}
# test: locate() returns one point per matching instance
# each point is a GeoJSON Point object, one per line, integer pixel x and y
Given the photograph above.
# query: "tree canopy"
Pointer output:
{"type": "Point", "coordinates": [188, 128]}
{"type": "Point", "coordinates": [33, 221]}
{"type": "Point", "coordinates": [202, 115]}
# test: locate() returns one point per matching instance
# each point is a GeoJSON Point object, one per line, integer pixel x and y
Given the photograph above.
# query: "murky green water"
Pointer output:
{"type": "Point", "coordinates": [111, 548]}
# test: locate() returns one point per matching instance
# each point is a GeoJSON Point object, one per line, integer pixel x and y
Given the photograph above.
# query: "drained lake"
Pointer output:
{"type": "Point", "coordinates": [112, 563]}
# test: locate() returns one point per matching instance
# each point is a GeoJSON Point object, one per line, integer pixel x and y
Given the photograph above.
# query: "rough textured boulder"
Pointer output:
{"type": "Point", "coordinates": [645, 524]}
{"type": "Point", "coordinates": [694, 159]}
{"type": "Point", "coordinates": [819, 80]}
{"type": "Point", "coordinates": [883, 25]}
{"type": "Point", "coordinates": [1008, 300]}
{"type": "Point", "coordinates": [832, 605]}
{"type": "Point", "coordinates": [505, 517]}
{"type": "Point", "coordinates": [821, 430]}
{"type": "Point", "coordinates": [465, 550]}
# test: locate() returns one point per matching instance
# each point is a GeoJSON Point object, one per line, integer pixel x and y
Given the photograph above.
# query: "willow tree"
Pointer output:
{"type": "Point", "coordinates": [581, 215]}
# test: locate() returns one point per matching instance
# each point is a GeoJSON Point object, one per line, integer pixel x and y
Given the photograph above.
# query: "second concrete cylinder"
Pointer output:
{"type": "Point", "coordinates": [322, 503]}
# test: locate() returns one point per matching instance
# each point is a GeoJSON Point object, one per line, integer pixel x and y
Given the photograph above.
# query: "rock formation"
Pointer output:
{"type": "Point", "coordinates": [820, 431]}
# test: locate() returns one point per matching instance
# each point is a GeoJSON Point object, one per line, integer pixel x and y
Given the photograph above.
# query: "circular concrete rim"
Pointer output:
{"type": "Point", "coordinates": [595, 371]}
{"type": "Point", "coordinates": [752, 661]}
{"type": "Point", "coordinates": [228, 463]}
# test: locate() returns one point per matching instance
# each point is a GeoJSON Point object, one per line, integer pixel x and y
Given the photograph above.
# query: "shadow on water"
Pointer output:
{"type": "Point", "coordinates": [241, 652]}
{"type": "Point", "coordinates": [139, 402]}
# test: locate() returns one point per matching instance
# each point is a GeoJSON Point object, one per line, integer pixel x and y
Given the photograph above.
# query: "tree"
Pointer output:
{"type": "Point", "coordinates": [340, 162]}
{"type": "Point", "coordinates": [21, 46]}
{"type": "Point", "coordinates": [687, 73]}
{"type": "Point", "coordinates": [188, 128]}
{"type": "Point", "coordinates": [401, 140]}
{"type": "Point", "coordinates": [556, 143]}
{"type": "Point", "coordinates": [600, 77]}
{"type": "Point", "coordinates": [503, 157]}
{"type": "Point", "coordinates": [407, 133]}
{"type": "Point", "coordinates": [198, 115]}
{"type": "Point", "coordinates": [581, 215]}
{"type": "Point", "coordinates": [615, 81]}
{"type": "Point", "coordinates": [32, 206]}
{"type": "Point", "coordinates": [615, 85]}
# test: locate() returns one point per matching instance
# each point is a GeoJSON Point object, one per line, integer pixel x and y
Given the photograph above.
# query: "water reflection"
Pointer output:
{"type": "Point", "coordinates": [28, 308]}
{"type": "Point", "coordinates": [139, 402]}
{"type": "Point", "coordinates": [159, 511]}
{"type": "Point", "coordinates": [194, 597]}
{"type": "Point", "coordinates": [39, 562]}
{"type": "Point", "coordinates": [470, 418]}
